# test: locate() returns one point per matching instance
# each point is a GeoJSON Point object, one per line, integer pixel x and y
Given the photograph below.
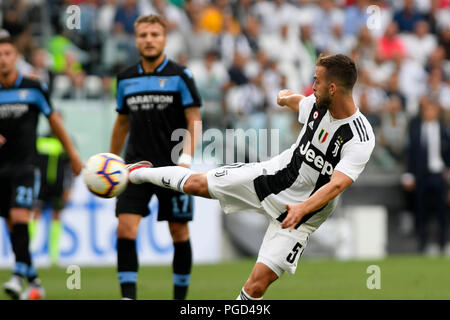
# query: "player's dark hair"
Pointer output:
{"type": "Point", "coordinates": [340, 69]}
{"type": "Point", "coordinates": [152, 18]}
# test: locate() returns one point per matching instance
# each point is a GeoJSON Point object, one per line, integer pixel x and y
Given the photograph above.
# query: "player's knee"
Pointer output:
{"type": "Point", "coordinates": [191, 186]}
{"type": "Point", "coordinates": [196, 185]}
{"type": "Point", "coordinates": [179, 231]}
{"type": "Point", "coordinates": [20, 216]}
{"type": "Point", "coordinates": [127, 229]}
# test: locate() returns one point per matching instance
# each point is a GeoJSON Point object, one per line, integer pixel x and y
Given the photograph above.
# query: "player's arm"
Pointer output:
{"type": "Point", "coordinates": [338, 183]}
{"type": "Point", "coordinates": [289, 99]}
{"type": "Point", "coordinates": [119, 134]}
{"type": "Point", "coordinates": [194, 129]}
{"type": "Point", "coordinates": [60, 132]}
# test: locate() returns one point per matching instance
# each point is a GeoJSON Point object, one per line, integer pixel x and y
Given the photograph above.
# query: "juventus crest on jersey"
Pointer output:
{"type": "Point", "coordinates": [325, 144]}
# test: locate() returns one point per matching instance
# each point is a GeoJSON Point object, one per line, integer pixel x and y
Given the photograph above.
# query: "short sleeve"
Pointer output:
{"type": "Point", "coordinates": [354, 158]}
{"type": "Point", "coordinates": [188, 90]}
{"type": "Point", "coordinates": [305, 107]}
{"type": "Point", "coordinates": [122, 107]}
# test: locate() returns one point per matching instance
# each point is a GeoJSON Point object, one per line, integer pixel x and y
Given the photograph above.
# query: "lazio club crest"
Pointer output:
{"type": "Point", "coordinates": [23, 94]}
{"type": "Point", "coordinates": [162, 82]}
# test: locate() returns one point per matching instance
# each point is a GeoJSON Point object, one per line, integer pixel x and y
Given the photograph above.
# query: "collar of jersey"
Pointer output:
{"type": "Point", "coordinates": [158, 69]}
{"type": "Point", "coordinates": [333, 120]}
{"type": "Point", "coordinates": [18, 81]}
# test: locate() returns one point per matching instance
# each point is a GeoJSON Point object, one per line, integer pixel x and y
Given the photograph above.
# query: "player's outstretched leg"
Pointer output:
{"type": "Point", "coordinates": [172, 177]}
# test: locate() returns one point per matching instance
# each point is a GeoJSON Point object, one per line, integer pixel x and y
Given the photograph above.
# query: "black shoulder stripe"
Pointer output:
{"type": "Point", "coordinates": [357, 129]}
{"type": "Point", "coordinates": [284, 178]}
{"type": "Point", "coordinates": [364, 127]}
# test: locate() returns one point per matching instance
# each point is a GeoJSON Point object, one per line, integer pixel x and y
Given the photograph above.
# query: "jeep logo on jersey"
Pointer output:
{"type": "Point", "coordinates": [323, 136]}
{"type": "Point", "coordinates": [316, 160]}
{"type": "Point", "coordinates": [162, 82]}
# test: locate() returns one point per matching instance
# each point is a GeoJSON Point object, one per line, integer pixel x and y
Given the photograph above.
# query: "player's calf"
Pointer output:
{"type": "Point", "coordinates": [258, 282]}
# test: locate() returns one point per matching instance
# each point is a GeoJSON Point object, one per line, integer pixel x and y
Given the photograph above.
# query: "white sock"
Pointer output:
{"type": "Point", "coordinates": [244, 296]}
{"type": "Point", "coordinates": [172, 177]}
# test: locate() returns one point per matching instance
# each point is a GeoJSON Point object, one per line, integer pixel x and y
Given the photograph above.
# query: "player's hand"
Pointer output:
{"type": "Point", "coordinates": [447, 175]}
{"type": "Point", "coordinates": [76, 164]}
{"type": "Point", "coordinates": [295, 214]}
{"type": "Point", "coordinates": [184, 165]}
{"type": "Point", "coordinates": [2, 140]}
{"type": "Point", "coordinates": [410, 186]}
{"type": "Point", "coordinates": [281, 97]}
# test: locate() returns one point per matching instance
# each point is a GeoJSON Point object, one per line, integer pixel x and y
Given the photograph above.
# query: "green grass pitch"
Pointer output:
{"type": "Point", "coordinates": [402, 277]}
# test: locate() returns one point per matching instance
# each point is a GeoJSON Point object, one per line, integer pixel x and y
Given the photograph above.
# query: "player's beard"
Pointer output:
{"type": "Point", "coordinates": [324, 101]}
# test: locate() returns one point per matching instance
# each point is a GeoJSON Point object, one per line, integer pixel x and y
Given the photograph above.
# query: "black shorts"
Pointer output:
{"type": "Point", "coordinates": [173, 206]}
{"type": "Point", "coordinates": [53, 193]}
{"type": "Point", "coordinates": [19, 190]}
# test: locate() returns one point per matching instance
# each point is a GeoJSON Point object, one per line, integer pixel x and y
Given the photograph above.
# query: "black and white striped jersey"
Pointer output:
{"type": "Point", "coordinates": [324, 144]}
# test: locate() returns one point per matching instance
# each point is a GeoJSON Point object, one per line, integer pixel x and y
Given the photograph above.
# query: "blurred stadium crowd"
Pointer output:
{"type": "Point", "coordinates": [242, 52]}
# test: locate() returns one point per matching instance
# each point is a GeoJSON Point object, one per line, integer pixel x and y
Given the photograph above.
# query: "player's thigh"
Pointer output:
{"type": "Point", "coordinates": [281, 248]}
{"type": "Point", "coordinates": [233, 186]}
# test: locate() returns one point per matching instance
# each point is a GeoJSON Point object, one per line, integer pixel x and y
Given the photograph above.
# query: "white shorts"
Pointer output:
{"type": "Point", "coordinates": [281, 248]}
{"type": "Point", "coordinates": [233, 186]}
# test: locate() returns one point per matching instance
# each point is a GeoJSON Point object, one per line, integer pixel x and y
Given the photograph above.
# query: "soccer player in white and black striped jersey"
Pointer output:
{"type": "Point", "coordinates": [297, 189]}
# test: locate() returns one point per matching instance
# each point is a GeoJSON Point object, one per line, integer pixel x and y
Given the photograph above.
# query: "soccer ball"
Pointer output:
{"type": "Point", "coordinates": [105, 175]}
